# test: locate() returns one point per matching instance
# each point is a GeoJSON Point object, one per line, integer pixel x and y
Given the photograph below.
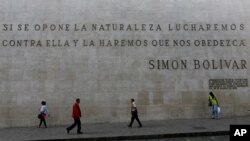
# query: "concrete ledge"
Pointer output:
{"type": "Point", "coordinates": [140, 137]}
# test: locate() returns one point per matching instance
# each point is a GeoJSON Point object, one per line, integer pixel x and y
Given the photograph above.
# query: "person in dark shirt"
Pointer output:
{"type": "Point", "coordinates": [134, 114]}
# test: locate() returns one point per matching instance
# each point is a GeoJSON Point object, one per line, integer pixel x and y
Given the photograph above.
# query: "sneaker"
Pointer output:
{"type": "Point", "coordinates": [67, 131]}
{"type": "Point", "coordinates": [80, 132]}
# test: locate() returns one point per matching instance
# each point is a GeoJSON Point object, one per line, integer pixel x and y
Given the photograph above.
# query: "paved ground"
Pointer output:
{"type": "Point", "coordinates": [206, 138]}
{"type": "Point", "coordinates": [161, 130]}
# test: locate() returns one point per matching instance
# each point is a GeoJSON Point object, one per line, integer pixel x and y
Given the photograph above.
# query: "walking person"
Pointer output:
{"type": "Point", "coordinates": [43, 113]}
{"type": "Point", "coordinates": [214, 105]}
{"type": "Point", "coordinates": [76, 114]}
{"type": "Point", "coordinates": [134, 114]}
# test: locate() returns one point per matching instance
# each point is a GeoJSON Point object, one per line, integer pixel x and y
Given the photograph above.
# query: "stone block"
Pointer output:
{"type": "Point", "coordinates": [143, 98]}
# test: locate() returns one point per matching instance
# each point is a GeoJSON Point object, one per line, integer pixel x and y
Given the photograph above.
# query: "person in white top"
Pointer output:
{"type": "Point", "coordinates": [134, 114]}
{"type": "Point", "coordinates": [43, 113]}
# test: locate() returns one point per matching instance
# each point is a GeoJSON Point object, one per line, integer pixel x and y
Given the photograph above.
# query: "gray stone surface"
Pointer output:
{"type": "Point", "coordinates": [105, 78]}
{"type": "Point", "coordinates": [157, 129]}
{"type": "Point", "coordinates": [207, 138]}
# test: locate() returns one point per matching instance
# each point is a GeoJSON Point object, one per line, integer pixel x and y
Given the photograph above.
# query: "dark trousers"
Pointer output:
{"type": "Point", "coordinates": [42, 120]}
{"type": "Point", "coordinates": [134, 116]}
{"type": "Point", "coordinates": [77, 122]}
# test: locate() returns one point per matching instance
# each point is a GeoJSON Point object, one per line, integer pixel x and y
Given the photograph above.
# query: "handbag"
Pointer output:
{"type": "Point", "coordinates": [39, 116]}
{"type": "Point", "coordinates": [219, 110]}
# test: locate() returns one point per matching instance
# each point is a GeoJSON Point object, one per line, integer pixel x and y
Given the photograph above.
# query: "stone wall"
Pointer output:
{"type": "Point", "coordinates": [50, 50]}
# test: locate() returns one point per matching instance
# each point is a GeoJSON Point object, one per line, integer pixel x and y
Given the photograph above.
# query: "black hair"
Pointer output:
{"type": "Point", "coordinates": [43, 102]}
{"type": "Point", "coordinates": [211, 93]}
{"type": "Point", "coordinates": [132, 99]}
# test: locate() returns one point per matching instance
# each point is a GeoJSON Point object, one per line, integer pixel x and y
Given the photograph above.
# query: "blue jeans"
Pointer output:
{"type": "Point", "coordinates": [215, 114]}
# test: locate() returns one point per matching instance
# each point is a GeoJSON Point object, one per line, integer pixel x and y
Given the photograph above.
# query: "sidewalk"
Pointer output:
{"type": "Point", "coordinates": [120, 131]}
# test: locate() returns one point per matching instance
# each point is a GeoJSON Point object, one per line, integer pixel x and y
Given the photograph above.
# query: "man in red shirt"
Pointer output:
{"type": "Point", "coordinates": [76, 114]}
